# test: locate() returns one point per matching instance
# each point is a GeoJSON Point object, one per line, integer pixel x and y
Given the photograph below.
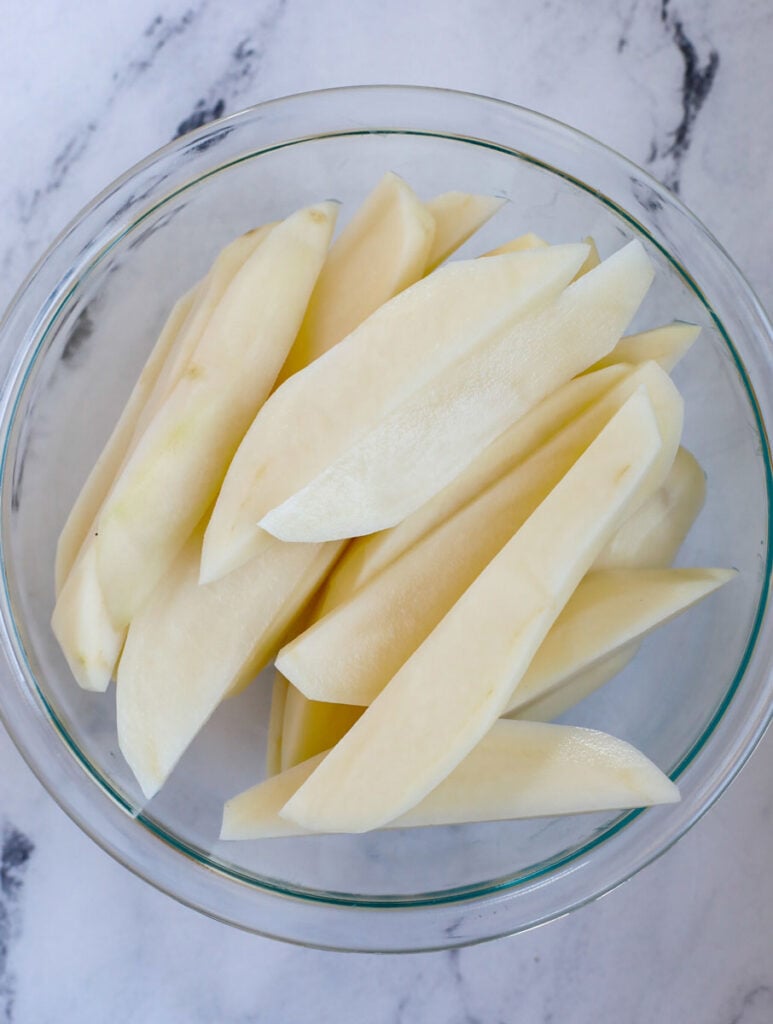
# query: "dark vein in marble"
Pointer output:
{"type": "Point", "coordinates": [622, 41]}
{"type": "Point", "coordinates": [697, 80]}
{"type": "Point", "coordinates": [81, 331]}
{"type": "Point", "coordinates": [762, 995]}
{"type": "Point", "coordinates": [156, 37]}
{"type": "Point", "coordinates": [242, 68]}
{"type": "Point", "coordinates": [201, 114]}
{"type": "Point", "coordinates": [15, 853]}
{"type": "Point", "coordinates": [454, 959]}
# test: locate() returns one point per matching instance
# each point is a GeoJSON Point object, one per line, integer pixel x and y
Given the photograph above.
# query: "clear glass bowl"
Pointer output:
{"type": "Point", "coordinates": [697, 697]}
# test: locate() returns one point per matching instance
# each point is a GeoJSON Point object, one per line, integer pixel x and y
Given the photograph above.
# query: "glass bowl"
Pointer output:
{"type": "Point", "coordinates": [697, 697]}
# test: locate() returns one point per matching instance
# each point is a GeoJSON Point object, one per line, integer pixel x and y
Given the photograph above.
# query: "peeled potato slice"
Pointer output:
{"type": "Point", "coordinates": [519, 244]}
{"type": "Point", "coordinates": [449, 693]}
{"type": "Point", "coordinates": [609, 611]}
{"type": "Point", "coordinates": [101, 477]}
{"type": "Point", "coordinates": [457, 216]}
{"type": "Point", "coordinates": [518, 770]}
{"type": "Point", "coordinates": [651, 537]}
{"type": "Point", "coordinates": [176, 470]}
{"type": "Point", "coordinates": [349, 655]}
{"type": "Point", "coordinates": [382, 251]}
{"type": "Point", "coordinates": [275, 723]}
{"type": "Point", "coordinates": [416, 450]}
{"type": "Point", "coordinates": [320, 412]}
{"type": "Point", "coordinates": [191, 644]}
{"type": "Point", "coordinates": [666, 345]}
{"type": "Point", "coordinates": [311, 726]}
{"type": "Point", "coordinates": [366, 556]}
{"type": "Point", "coordinates": [81, 621]}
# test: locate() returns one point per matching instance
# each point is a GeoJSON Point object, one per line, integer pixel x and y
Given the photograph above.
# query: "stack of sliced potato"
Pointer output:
{"type": "Point", "coordinates": [445, 499]}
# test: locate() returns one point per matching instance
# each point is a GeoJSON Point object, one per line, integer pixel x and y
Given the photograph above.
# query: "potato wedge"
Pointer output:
{"type": "Point", "coordinates": [518, 770]}
{"type": "Point", "coordinates": [666, 345]}
{"type": "Point", "coordinates": [382, 251]}
{"type": "Point", "coordinates": [519, 244]}
{"type": "Point", "coordinates": [610, 610]}
{"type": "Point", "coordinates": [366, 556]}
{"type": "Point", "coordinates": [81, 621]}
{"type": "Point", "coordinates": [311, 726]}
{"type": "Point", "coordinates": [175, 472]}
{"type": "Point", "coordinates": [342, 395]}
{"type": "Point", "coordinates": [349, 655]}
{"type": "Point", "coordinates": [417, 449]}
{"type": "Point", "coordinates": [457, 216]}
{"type": "Point", "coordinates": [101, 477]}
{"type": "Point", "coordinates": [191, 644]}
{"type": "Point", "coordinates": [651, 537]}
{"type": "Point", "coordinates": [449, 693]}
{"type": "Point", "coordinates": [275, 725]}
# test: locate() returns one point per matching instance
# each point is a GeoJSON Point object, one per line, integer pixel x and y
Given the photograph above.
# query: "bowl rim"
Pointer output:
{"type": "Point", "coordinates": [215, 129]}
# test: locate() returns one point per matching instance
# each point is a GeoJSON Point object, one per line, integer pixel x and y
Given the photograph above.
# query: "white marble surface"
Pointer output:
{"type": "Point", "coordinates": [89, 88]}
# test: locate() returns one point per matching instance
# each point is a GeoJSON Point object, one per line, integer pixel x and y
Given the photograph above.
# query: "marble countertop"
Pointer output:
{"type": "Point", "coordinates": [682, 87]}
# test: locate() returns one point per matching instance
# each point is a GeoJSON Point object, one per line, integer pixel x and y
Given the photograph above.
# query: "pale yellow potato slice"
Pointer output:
{"type": "Point", "coordinates": [89, 641]}
{"type": "Point", "coordinates": [275, 725]}
{"type": "Point", "coordinates": [227, 264]}
{"type": "Point", "coordinates": [415, 451]}
{"type": "Point", "coordinates": [81, 621]}
{"type": "Point", "coordinates": [167, 361]}
{"type": "Point", "coordinates": [457, 216]}
{"type": "Point", "coordinates": [349, 655]}
{"type": "Point", "coordinates": [653, 534]}
{"type": "Point", "coordinates": [608, 611]}
{"type": "Point", "coordinates": [312, 726]}
{"type": "Point", "coordinates": [447, 696]}
{"type": "Point", "coordinates": [191, 645]}
{"type": "Point", "coordinates": [518, 770]}
{"type": "Point", "coordinates": [592, 260]}
{"type": "Point", "coordinates": [100, 479]}
{"type": "Point", "coordinates": [579, 686]}
{"type": "Point", "coordinates": [666, 345]}
{"type": "Point", "coordinates": [366, 556]}
{"type": "Point", "coordinates": [650, 538]}
{"type": "Point", "coordinates": [382, 251]}
{"type": "Point", "coordinates": [175, 472]}
{"type": "Point", "coordinates": [321, 411]}
{"type": "Point", "coordinates": [519, 244]}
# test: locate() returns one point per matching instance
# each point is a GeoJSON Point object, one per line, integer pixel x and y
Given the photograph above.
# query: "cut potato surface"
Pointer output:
{"type": "Point", "coordinates": [83, 627]}
{"type": "Point", "coordinates": [682, 494]}
{"type": "Point", "coordinates": [608, 611]}
{"type": "Point", "coordinates": [592, 260]}
{"type": "Point", "coordinates": [520, 244]}
{"type": "Point", "coordinates": [321, 411]}
{"type": "Point", "coordinates": [651, 537]}
{"type": "Point", "coordinates": [228, 263]}
{"type": "Point", "coordinates": [383, 250]}
{"type": "Point", "coordinates": [366, 556]}
{"type": "Point", "coordinates": [449, 693]}
{"type": "Point", "coordinates": [275, 725]}
{"type": "Point", "coordinates": [100, 479]}
{"type": "Point", "coordinates": [417, 449]}
{"type": "Point", "coordinates": [666, 345]}
{"type": "Point", "coordinates": [350, 654]}
{"type": "Point", "coordinates": [518, 770]}
{"type": "Point", "coordinates": [191, 645]}
{"type": "Point", "coordinates": [311, 726]}
{"type": "Point", "coordinates": [457, 216]}
{"type": "Point", "coordinates": [578, 687]}
{"type": "Point", "coordinates": [176, 470]}
{"type": "Point", "coordinates": [81, 621]}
